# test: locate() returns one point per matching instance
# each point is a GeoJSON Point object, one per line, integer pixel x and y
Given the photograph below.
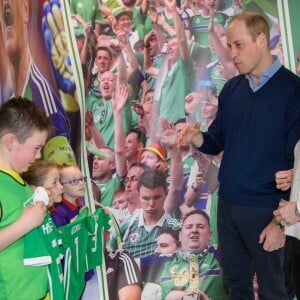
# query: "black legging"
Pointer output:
{"type": "Point", "coordinates": [295, 265]}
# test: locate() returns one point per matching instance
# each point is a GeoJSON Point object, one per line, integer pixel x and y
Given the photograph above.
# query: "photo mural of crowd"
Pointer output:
{"type": "Point", "coordinates": [149, 67]}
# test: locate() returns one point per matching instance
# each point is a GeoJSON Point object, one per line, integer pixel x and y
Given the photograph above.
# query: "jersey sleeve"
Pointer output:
{"type": "Point", "coordinates": [128, 271]}
{"type": "Point", "coordinates": [95, 225]}
{"type": "Point", "coordinates": [35, 249]}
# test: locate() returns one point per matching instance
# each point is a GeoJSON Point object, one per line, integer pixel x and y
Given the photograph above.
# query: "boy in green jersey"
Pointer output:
{"type": "Point", "coordinates": [23, 132]}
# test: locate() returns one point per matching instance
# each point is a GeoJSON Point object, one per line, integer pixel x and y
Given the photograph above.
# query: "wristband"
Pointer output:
{"type": "Point", "coordinates": [195, 188]}
{"type": "Point", "coordinates": [279, 224]}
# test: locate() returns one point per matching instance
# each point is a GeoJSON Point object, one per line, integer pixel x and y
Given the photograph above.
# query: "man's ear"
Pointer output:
{"type": "Point", "coordinates": [179, 236]}
{"type": "Point", "coordinates": [112, 165]}
{"type": "Point", "coordinates": [262, 39]}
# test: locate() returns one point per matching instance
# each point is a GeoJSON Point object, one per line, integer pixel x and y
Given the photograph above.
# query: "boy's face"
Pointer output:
{"type": "Point", "coordinates": [24, 154]}
{"type": "Point", "coordinates": [166, 244]}
{"type": "Point", "coordinates": [152, 201]}
{"type": "Point", "coordinates": [73, 182]}
{"type": "Point", "coordinates": [120, 201]}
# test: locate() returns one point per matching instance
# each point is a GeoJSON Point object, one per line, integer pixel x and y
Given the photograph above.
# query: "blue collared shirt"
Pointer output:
{"type": "Point", "coordinates": [263, 79]}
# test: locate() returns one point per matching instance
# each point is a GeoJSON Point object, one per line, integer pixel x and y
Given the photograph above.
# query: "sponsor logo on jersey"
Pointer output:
{"type": "Point", "coordinates": [75, 228]}
{"type": "Point", "coordinates": [134, 237]}
{"type": "Point", "coordinates": [48, 227]}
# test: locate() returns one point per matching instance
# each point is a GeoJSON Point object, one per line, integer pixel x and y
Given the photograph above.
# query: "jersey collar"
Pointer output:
{"type": "Point", "coordinates": [13, 174]}
{"type": "Point", "coordinates": [71, 205]}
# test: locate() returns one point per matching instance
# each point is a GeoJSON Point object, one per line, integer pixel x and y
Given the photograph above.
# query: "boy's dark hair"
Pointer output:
{"type": "Point", "coordinates": [139, 165]}
{"type": "Point", "coordinates": [152, 179]}
{"type": "Point", "coordinates": [103, 48]}
{"type": "Point", "coordinates": [21, 117]}
{"type": "Point", "coordinates": [141, 138]}
{"type": "Point", "coordinates": [174, 233]}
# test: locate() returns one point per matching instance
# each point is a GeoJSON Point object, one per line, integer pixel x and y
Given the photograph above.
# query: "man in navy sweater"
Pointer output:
{"type": "Point", "coordinates": [257, 127]}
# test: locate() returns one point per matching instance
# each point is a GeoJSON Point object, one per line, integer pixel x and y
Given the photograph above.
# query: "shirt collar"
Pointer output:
{"type": "Point", "coordinates": [13, 174]}
{"type": "Point", "coordinates": [160, 223]}
{"type": "Point", "coordinates": [263, 79]}
{"type": "Point", "coordinates": [71, 205]}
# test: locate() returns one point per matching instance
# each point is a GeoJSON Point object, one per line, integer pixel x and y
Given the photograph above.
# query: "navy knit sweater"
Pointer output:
{"type": "Point", "coordinates": [258, 132]}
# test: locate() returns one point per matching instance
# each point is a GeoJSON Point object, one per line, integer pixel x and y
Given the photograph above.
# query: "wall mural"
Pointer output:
{"type": "Point", "coordinates": [119, 80]}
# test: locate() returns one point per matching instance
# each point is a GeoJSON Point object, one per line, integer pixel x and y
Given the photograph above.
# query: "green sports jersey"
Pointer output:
{"type": "Point", "coordinates": [139, 240]}
{"type": "Point", "coordinates": [199, 27]}
{"type": "Point", "coordinates": [17, 281]}
{"type": "Point", "coordinates": [217, 71]}
{"type": "Point", "coordinates": [184, 17]}
{"type": "Point", "coordinates": [186, 271]}
{"type": "Point", "coordinates": [169, 20]}
{"type": "Point", "coordinates": [140, 22]}
{"type": "Point", "coordinates": [261, 6]}
{"type": "Point", "coordinates": [157, 63]}
{"type": "Point", "coordinates": [75, 239]}
{"type": "Point", "coordinates": [171, 88]}
{"type": "Point", "coordinates": [42, 247]}
{"type": "Point", "coordinates": [98, 221]}
{"type": "Point", "coordinates": [187, 162]}
{"type": "Point", "coordinates": [103, 117]}
{"type": "Point", "coordinates": [225, 4]}
{"type": "Point", "coordinates": [107, 190]}
{"type": "Point", "coordinates": [88, 10]}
